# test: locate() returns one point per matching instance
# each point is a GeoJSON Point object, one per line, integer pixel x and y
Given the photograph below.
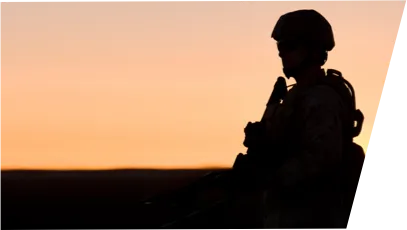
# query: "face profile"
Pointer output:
{"type": "Point", "coordinates": [290, 54]}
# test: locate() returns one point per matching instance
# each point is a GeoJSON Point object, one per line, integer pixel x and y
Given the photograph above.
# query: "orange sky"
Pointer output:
{"type": "Point", "coordinates": [113, 85]}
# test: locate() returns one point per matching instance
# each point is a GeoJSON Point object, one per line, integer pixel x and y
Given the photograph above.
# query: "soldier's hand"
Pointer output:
{"type": "Point", "coordinates": [255, 134]}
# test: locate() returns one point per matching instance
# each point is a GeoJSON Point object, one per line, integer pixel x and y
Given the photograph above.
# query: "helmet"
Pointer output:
{"type": "Point", "coordinates": [305, 26]}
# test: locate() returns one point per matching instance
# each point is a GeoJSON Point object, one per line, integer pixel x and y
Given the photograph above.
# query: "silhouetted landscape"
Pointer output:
{"type": "Point", "coordinates": [111, 197]}
{"type": "Point", "coordinates": [116, 197]}
{"type": "Point", "coordinates": [174, 87]}
{"type": "Point", "coordinates": [88, 199]}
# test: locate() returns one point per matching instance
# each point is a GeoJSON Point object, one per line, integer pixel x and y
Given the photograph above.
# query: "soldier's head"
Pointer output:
{"type": "Point", "coordinates": [304, 38]}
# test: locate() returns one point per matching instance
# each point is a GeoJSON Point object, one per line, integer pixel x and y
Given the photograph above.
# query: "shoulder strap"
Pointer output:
{"type": "Point", "coordinates": [335, 80]}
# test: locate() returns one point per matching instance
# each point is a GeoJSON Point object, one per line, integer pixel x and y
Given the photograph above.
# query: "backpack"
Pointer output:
{"type": "Point", "coordinates": [353, 154]}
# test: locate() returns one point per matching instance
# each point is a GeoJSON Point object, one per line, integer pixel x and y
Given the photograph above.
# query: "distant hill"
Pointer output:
{"type": "Point", "coordinates": [140, 183]}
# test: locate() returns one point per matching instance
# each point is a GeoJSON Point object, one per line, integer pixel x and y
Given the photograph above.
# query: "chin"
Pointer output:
{"type": "Point", "coordinates": [288, 72]}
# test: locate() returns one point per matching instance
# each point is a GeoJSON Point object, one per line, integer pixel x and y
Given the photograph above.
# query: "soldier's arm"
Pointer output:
{"type": "Point", "coordinates": [321, 144]}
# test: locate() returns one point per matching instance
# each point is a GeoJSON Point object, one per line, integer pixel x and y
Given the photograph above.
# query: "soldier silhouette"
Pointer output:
{"type": "Point", "coordinates": [303, 146]}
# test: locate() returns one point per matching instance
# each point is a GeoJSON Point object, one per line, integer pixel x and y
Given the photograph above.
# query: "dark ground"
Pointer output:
{"type": "Point", "coordinates": [113, 198]}
{"type": "Point", "coordinates": [87, 199]}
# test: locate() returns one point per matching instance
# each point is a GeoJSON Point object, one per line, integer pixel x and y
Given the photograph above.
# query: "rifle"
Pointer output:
{"type": "Point", "coordinates": [253, 151]}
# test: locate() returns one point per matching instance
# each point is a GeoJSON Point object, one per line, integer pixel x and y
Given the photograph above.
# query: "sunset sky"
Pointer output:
{"type": "Point", "coordinates": [163, 85]}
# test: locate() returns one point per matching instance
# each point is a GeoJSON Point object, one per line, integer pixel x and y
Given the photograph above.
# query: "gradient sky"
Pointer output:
{"type": "Point", "coordinates": [167, 85]}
